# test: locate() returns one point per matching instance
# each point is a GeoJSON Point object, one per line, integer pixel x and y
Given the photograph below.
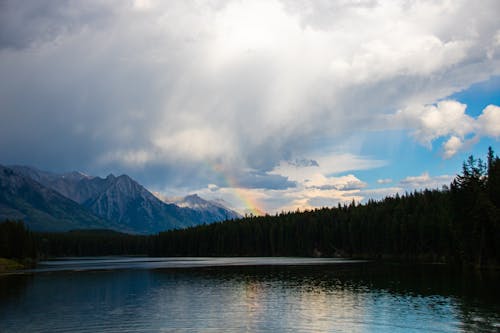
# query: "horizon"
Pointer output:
{"type": "Point", "coordinates": [269, 105]}
{"type": "Point", "coordinates": [246, 213]}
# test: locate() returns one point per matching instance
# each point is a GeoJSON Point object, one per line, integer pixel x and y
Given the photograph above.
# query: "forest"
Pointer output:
{"type": "Point", "coordinates": [457, 224]}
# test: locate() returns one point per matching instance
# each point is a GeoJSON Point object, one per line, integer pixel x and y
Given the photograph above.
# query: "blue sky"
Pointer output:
{"type": "Point", "coordinates": [406, 156]}
{"type": "Point", "coordinates": [270, 105]}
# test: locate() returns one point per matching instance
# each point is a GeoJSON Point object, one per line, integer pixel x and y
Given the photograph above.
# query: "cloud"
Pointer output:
{"type": "Point", "coordinates": [34, 24]}
{"type": "Point", "coordinates": [161, 89]}
{"type": "Point", "coordinates": [405, 185]}
{"type": "Point", "coordinates": [318, 170]}
{"type": "Point", "coordinates": [300, 183]}
{"type": "Point", "coordinates": [345, 183]}
{"type": "Point", "coordinates": [303, 163]}
{"type": "Point", "coordinates": [258, 179]}
{"type": "Point", "coordinates": [489, 121]}
{"type": "Point", "coordinates": [425, 181]}
{"type": "Point", "coordinates": [317, 183]}
{"type": "Point", "coordinates": [452, 146]}
{"type": "Point", "coordinates": [319, 191]}
{"type": "Point", "coordinates": [447, 119]}
{"type": "Point", "coordinates": [212, 187]}
{"type": "Point", "coordinates": [443, 119]}
{"type": "Point", "coordinates": [381, 193]}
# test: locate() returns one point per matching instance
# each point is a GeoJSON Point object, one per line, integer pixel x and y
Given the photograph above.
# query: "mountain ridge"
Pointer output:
{"type": "Point", "coordinates": [125, 202]}
{"type": "Point", "coordinates": [194, 201]}
{"type": "Point", "coordinates": [43, 209]}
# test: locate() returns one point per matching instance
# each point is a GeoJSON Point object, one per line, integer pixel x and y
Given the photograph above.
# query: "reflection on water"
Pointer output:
{"type": "Point", "coordinates": [355, 297]}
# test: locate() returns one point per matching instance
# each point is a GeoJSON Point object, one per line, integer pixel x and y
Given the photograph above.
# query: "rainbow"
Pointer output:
{"type": "Point", "coordinates": [250, 203]}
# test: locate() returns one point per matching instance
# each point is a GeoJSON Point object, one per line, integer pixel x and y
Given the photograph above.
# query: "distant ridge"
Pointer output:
{"type": "Point", "coordinates": [43, 209]}
{"type": "Point", "coordinates": [124, 203]}
{"type": "Point", "coordinates": [208, 208]}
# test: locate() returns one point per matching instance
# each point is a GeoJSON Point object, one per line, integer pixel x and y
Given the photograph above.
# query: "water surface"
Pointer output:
{"type": "Point", "coordinates": [246, 295]}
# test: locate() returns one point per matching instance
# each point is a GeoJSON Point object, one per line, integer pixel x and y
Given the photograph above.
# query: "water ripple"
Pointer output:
{"type": "Point", "coordinates": [203, 296]}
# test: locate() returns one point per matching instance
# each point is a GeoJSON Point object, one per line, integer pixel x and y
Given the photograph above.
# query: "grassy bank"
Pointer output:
{"type": "Point", "coordinates": [9, 265]}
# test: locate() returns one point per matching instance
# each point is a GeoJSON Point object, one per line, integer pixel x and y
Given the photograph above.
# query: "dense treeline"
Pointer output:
{"type": "Point", "coordinates": [16, 242]}
{"type": "Point", "coordinates": [459, 224]}
{"type": "Point", "coordinates": [412, 226]}
{"type": "Point", "coordinates": [80, 243]}
{"type": "Point", "coordinates": [456, 224]}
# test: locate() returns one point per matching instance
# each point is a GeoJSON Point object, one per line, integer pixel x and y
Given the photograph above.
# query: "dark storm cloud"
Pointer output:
{"type": "Point", "coordinates": [265, 181]}
{"type": "Point", "coordinates": [68, 94]}
{"type": "Point", "coordinates": [160, 90]}
{"type": "Point", "coordinates": [25, 24]}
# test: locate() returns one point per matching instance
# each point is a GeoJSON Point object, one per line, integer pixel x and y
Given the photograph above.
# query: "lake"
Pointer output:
{"type": "Point", "coordinates": [134, 294]}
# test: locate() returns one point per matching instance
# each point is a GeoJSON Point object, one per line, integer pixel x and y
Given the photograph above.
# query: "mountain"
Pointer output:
{"type": "Point", "coordinates": [208, 209]}
{"type": "Point", "coordinates": [74, 185]}
{"type": "Point", "coordinates": [126, 202]}
{"type": "Point", "coordinates": [42, 208]}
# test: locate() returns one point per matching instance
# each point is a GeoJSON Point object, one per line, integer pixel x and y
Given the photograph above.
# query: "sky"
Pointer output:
{"type": "Point", "coordinates": [270, 105]}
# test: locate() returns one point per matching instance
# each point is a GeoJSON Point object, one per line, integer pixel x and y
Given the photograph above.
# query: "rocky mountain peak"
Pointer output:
{"type": "Point", "coordinates": [125, 202]}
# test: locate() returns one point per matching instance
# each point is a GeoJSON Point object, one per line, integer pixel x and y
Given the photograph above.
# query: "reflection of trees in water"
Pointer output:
{"type": "Point", "coordinates": [314, 298]}
{"type": "Point", "coordinates": [470, 296]}
{"type": "Point", "coordinates": [404, 279]}
{"type": "Point", "coordinates": [13, 286]}
{"type": "Point", "coordinates": [480, 306]}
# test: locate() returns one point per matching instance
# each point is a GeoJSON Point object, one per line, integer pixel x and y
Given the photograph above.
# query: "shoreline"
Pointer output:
{"type": "Point", "coordinates": [12, 265]}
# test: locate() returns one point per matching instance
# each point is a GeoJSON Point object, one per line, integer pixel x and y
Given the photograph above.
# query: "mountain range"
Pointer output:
{"type": "Point", "coordinates": [49, 201]}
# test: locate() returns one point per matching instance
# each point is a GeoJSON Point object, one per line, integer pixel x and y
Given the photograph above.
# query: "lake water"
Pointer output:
{"type": "Point", "coordinates": [246, 295]}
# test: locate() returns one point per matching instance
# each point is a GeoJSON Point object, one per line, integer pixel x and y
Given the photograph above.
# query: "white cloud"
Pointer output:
{"type": "Point", "coordinates": [448, 119]}
{"type": "Point", "coordinates": [212, 187]}
{"type": "Point", "coordinates": [489, 121]}
{"type": "Point", "coordinates": [381, 193]}
{"type": "Point", "coordinates": [434, 121]}
{"type": "Point", "coordinates": [384, 181]}
{"type": "Point", "coordinates": [425, 181]}
{"type": "Point", "coordinates": [452, 146]}
{"type": "Point", "coordinates": [142, 4]}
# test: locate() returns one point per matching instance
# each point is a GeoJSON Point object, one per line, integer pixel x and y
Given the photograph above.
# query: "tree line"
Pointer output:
{"type": "Point", "coordinates": [17, 242]}
{"type": "Point", "coordinates": [457, 224]}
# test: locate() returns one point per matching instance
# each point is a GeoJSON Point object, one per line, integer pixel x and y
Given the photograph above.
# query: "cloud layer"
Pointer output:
{"type": "Point", "coordinates": [447, 119]}
{"type": "Point", "coordinates": [188, 93]}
